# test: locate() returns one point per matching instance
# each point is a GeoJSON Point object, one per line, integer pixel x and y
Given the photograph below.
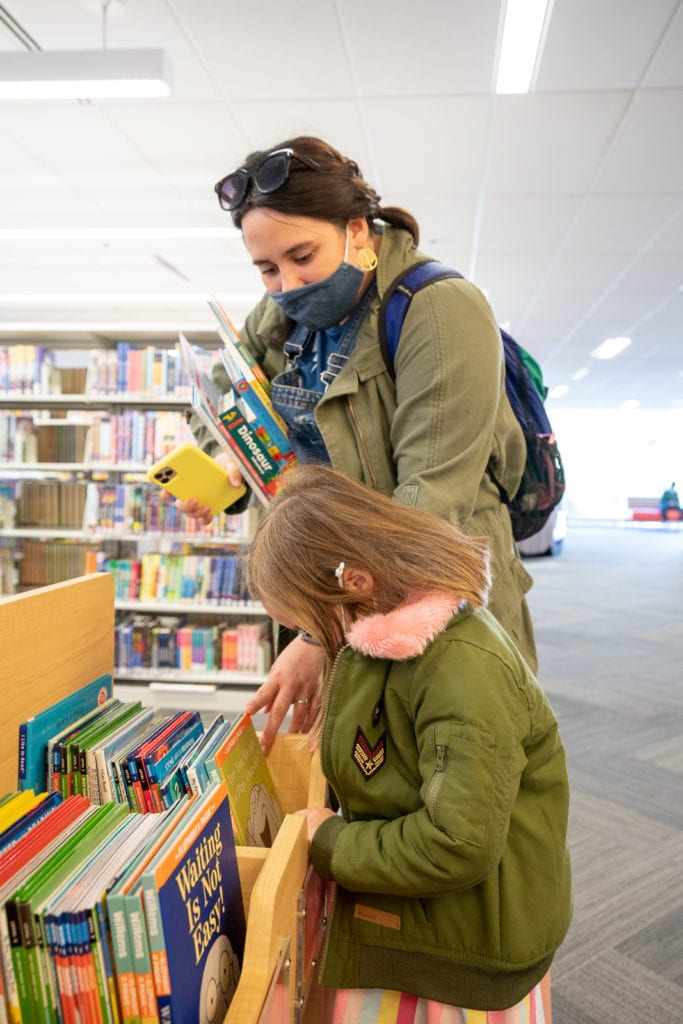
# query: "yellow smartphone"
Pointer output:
{"type": "Point", "coordinates": [188, 472]}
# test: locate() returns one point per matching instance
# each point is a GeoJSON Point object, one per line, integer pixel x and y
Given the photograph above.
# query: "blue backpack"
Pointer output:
{"type": "Point", "coordinates": [542, 484]}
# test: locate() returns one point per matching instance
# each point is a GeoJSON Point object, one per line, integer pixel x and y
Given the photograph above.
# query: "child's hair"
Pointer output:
{"type": "Point", "coordinates": [321, 518]}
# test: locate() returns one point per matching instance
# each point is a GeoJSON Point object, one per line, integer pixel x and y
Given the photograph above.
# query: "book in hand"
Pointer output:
{"type": "Point", "coordinates": [35, 732]}
{"type": "Point", "coordinates": [194, 914]}
{"type": "Point", "coordinates": [243, 421]}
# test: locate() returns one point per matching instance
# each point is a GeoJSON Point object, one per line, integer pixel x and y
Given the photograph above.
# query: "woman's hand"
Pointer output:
{"type": "Point", "coordinates": [193, 509]}
{"type": "Point", "coordinates": [294, 681]}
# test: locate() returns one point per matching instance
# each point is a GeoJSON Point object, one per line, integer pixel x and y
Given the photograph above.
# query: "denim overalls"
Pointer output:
{"type": "Point", "coordinates": [295, 403]}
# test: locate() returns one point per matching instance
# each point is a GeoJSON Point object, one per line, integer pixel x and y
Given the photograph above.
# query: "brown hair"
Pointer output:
{"type": "Point", "coordinates": [336, 193]}
{"type": "Point", "coordinates": [321, 518]}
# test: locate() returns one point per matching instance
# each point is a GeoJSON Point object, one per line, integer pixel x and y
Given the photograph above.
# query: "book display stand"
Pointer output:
{"type": "Point", "coordinates": [58, 638]}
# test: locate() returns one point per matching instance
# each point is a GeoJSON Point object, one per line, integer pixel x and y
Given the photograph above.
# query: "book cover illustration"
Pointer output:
{"type": "Point", "coordinates": [195, 915]}
{"type": "Point", "coordinates": [243, 421]}
{"type": "Point", "coordinates": [254, 802]}
{"type": "Point", "coordinates": [35, 732]}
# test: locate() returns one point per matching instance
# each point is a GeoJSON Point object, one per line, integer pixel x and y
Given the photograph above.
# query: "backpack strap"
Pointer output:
{"type": "Point", "coordinates": [392, 312]}
{"type": "Point", "coordinates": [396, 300]}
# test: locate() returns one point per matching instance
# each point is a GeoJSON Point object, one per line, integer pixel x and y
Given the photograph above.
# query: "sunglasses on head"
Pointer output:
{"type": "Point", "coordinates": [269, 176]}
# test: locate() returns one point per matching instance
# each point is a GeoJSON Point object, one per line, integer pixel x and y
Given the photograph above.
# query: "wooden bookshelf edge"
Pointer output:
{"type": "Point", "coordinates": [54, 639]}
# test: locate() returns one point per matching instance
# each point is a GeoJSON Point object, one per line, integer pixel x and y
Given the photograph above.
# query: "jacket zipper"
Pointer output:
{"type": "Point", "coordinates": [361, 440]}
{"type": "Point", "coordinates": [333, 901]}
{"type": "Point", "coordinates": [437, 779]}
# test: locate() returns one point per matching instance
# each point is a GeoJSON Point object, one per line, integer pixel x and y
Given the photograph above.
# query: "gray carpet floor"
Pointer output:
{"type": "Point", "coordinates": [608, 616]}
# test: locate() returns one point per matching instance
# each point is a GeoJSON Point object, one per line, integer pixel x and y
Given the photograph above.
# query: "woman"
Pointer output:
{"type": "Point", "coordinates": [450, 856]}
{"type": "Point", "coordinates": [327, 251]}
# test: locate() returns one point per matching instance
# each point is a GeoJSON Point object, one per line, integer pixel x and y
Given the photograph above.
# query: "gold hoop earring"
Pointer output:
{"type": "Point", "coordinates": [367, 259]}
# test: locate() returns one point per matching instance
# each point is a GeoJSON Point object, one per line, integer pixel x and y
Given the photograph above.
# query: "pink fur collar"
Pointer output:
{"type": "Point", "coordinates": [406, 631]}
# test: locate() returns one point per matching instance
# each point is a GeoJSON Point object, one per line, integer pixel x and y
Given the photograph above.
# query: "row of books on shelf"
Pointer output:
{"type": "Point", "coordinates": [29, 369]}
{"type": "Point", "coordinates": [44, 562]}
{"type": "Point", "coordinates": [169, 642]}
{"type": "Point", "coordinates": [199, 579]}
{"type": "Point", "coordinates": [149, 370]}
{"type": "Point", "coordinates": [50, 503]}
{"type": "Point", "coordinates": [133, 436]}
{"type": "Point", "coordinates": [143, 508]}
{"type": "Point", "coordinates": [126, 508]}
{"type": "Point", "coordinates": [95, 745]}
{"type": "Point", "coordinates": [111, 916]}
{"type": "Point", "coordinates": [134, 369]}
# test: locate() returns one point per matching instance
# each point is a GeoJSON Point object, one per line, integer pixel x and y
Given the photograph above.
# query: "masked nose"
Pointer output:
{"type": "Point", "coordinates": [290, 280]}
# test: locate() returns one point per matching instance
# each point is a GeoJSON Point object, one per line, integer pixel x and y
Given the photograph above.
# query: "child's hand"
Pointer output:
{"type": "Point", "coordinates": [315, 817]}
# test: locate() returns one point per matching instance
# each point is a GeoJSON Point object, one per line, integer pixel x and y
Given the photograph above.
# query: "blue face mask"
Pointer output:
{"type": "Point", "coordinates": [323, 303]}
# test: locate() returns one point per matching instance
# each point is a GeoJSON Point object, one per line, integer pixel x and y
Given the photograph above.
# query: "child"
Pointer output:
{"type": "Point", "coordinates": [449, 852]}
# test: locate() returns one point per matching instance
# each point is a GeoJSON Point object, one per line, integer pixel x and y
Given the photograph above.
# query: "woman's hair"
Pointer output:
{"type": "Point", "coordinates": [321, 518]}
{"type": "Point", "coordinates": [336, 193]}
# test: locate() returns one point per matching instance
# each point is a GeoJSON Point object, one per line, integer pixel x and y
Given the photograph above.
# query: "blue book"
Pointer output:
{"type": "Point", "coordinates": [195, 915]}
{"type": "Point", "coordinates": [35, 732]}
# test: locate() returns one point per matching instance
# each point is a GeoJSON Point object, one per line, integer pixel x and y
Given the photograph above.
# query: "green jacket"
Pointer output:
{"type": "Point", "coordinates": [425, 439]}
{"type": "Point", "coordinates": [449, 853]}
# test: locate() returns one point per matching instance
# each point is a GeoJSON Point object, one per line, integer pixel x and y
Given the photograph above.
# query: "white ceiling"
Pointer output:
{"type": "Point", "coordinates": [565, 205]}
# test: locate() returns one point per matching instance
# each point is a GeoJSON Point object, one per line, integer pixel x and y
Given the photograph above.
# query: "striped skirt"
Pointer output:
{"type": "Point", "coordinates": [381, 1006]}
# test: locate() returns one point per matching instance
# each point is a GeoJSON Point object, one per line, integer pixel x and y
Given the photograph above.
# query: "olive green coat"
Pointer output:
{"type": "Point", "coordinates": [426, 438]}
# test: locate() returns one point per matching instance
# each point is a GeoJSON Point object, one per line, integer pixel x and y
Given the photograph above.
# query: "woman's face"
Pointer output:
{"type": "Point", "coordinates": [291, 251]}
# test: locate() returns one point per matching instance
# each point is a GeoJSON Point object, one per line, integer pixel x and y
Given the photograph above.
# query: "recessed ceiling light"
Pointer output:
{"type": "Point", "coordinates": [580, 374]}
{"type": "Point", "coordinates": [610, 348]}
{"type": "Point", "coordinates": [522, 35]}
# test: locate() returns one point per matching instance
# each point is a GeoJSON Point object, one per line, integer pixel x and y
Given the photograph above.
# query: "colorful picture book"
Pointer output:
{"type": "Point", "coordinates": [243, 421]}
{"type": "Point", "coordinates": [35, 732]}
{"type": "Point", "coordinates": [237, 758]}
{"type": "Point", "coordinates": [194, 914]}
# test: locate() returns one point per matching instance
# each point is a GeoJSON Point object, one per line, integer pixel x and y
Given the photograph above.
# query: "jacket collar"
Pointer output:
{"type": "Point", "coordinates": [407, 630]}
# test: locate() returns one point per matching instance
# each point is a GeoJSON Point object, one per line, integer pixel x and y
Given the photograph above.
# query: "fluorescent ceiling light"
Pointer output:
{"type": "Point", "coordinates": [559, 391]}
{"type": "Point", "coordinates": [580, 374]}
{"type": "Point", "coordinates": [133, 326]}
{"type": "Point", "coordinates": [84, 74]}
{"type": "Point", "coordinates": [119, 232]}
{"type": "Point", "coordinates": [522, 31]}
{"type": "Point", "coordinates": [610, 348]}
{"type": "Point", "coordinates": [123, 298]}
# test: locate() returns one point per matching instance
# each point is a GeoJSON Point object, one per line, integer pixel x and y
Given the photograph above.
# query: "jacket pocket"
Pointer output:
{"type": "Point", "coordinates": [460, 793]}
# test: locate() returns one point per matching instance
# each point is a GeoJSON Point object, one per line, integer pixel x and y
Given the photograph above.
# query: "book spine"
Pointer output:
{"type": "Point", "coordinates": [123, 961]}
{"type": "Point", "coordinates": [141, 958]}
{"type": "Point", "coordinates": [157, 949]}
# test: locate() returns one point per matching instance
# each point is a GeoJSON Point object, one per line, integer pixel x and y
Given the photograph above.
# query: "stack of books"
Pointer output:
{"type": "Point", "coordinates": [109, 916]}
{"type": "Point", "coordinates": [243, 421]}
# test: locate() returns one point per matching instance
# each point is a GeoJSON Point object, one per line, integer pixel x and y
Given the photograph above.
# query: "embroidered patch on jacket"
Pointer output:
{"type": "Point", "coordinates": [369, 759]}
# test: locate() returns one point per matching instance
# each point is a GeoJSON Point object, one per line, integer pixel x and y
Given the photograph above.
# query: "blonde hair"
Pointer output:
{"type": "Point", "coordinates": [321, 518]}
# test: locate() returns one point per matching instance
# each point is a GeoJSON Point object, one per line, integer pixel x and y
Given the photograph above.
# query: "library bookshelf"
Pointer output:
{"type": "Point", "coordinates": [81, 419]}
{"type": "Point", "coordinates": [57, 638]}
